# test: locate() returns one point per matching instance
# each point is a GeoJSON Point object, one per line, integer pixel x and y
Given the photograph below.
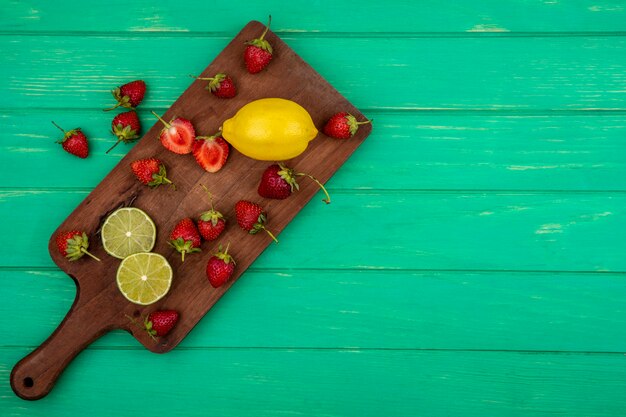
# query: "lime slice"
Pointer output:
{"type": "Point", "coordinates": [127, 231]}
{"type": "Point", "coordinates": [144, 278]}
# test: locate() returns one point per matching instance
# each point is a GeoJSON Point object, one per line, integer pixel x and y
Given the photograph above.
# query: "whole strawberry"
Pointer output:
{"type": "Point", "coordinates": [151, 172]}
{"type": "Point", "coordinates": [279, 181]}
{"type": "Point", "coordinates": [178, 135]}
{"type": "Point", "coordinates": [130, 95]}
{"type": "Point", "coordinates": [210, 152]}
{"type": "Point", "coordinates": [73, 245]}
{"type": "Point", "coordinates": [343, 126]}
{"type": "Point", "coordinates": [258, 53]}
{"type": "Point", "coordinates": [126, 126]}
{"type": "Point", "coordinates": [220, 268]}
{"type": "Point", "coordinates": [74, 141]}
{"type": "Point", "coordinates": [211, 223]}
{"type": "Point", "coordinates": [251, 217]}
{"type": "Point", "coordinates": [221, 85]}
{"type": "Point", "coordinates": [185, 237]}
{"type": "Point", "coordinates": [159, 323]}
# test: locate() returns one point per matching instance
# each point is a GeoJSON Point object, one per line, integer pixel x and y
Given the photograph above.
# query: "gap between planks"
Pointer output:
{"type": "Point", "coordinates": [350, 349]}
{"type": "Point", "coordinates": [363, 191]}
{"type": "Point", "coordinates": [378, 110]}
{"type": "Point", "coordinates": [255, 270]}
{"type": "Point", "coordinates": [300, 34]}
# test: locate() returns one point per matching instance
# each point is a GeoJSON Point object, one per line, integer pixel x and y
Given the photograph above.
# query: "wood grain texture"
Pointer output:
{"type": "Point", "coordinates": [439, 151]}
{"type": "Point", "coordinates": [527, 73]}
{"type": "Point", "coordinates": [191, 295]}
{"type": "Point", "coordinates": [433, 230]}
{"type": "Point", "coordinates": [448, 310]}
{"type": "Point", "coordinates": [403, 17]}
{"type": "Point", "coordinates": [271, 382]}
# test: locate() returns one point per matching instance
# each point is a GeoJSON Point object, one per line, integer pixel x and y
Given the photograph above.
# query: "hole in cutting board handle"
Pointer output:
{"type": "Point", "coordinates": [28, 382]}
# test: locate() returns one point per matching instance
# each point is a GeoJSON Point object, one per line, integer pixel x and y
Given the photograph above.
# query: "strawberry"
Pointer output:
{"type": "Point", "coordinates": [73, 245]}
{"type": "Point", "coordinates": [210, 152]}
{"type": "Point", "coordinates": [258, 53]}
{"type": "Point", "coordinates": [279, 181]}
{"type": "Point", "coordinates": [158, 323]}
{"type": "Point", "coordinates": [250, 217]}
{"type": "Point", "coordinates": [185, 237]}
{"type": "Point", "coordinates": [126, 126]}
{"type": "Point", "coordinates": [129, 95]}
{"type": "Point", "coordinates": [211, 223]}
{"type": "Point", "coordinates": [342, 126]}
{"type": "Point", "coordinates": [178, 135]}
{"type": "Point", "coordinates": [151, 172]}
{"type": "Point", "coordinates": [220, 268]}
{"type": "Point", "coordinates": [74, 141]}
{"type": "Point", "coordinates": [221, 85]}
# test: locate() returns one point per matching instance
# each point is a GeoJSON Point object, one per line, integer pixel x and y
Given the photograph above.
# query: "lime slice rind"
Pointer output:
{"type": "Point", "coordinates": [144, 278]}
{"type": "Point", "coordinates": [127, 231]}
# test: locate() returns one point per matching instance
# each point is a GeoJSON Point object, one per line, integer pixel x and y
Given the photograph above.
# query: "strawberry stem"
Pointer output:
{"type": "Point", "coordinates": [132, 320]}
{"type": "Point", "coordinates": [86, 252]}
{"type": "Point", "coordinates": [58, 127]}
{"type": "Point", "coordinates": [327, 199]}
{"type": "Point", "coordinates": [182, 255]}
{"type": "Point", "coordinates": [201, 78]}
{"type": "Point", "coordinates": [144, 327]}
{"type": "Point", "coordinates": [270, 233]}
{"type": "Point", "coordinates": [167, 125]}
{"type": "Point", "coordinates": [365, 122]}
{"type": "Point", "coordinates": [169, 182]}
{"type": "Point", "coordinates": [210, 199]}
{"type": "Point", "coordinates": [114, 145]}
{"type": "Point", "coordinates": [114, 107]}
{"type": "Point", "coordinates": [266, 29]}
{"type": "Point", "coordinates": [212, 137]}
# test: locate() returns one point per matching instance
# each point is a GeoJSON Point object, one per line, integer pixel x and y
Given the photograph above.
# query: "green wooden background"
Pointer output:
{"type": "Point", "coordinates": [472, 262]}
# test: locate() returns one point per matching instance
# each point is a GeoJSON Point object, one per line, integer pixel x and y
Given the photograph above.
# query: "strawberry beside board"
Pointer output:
{"type": "Point", "coordinates": [190, 294]}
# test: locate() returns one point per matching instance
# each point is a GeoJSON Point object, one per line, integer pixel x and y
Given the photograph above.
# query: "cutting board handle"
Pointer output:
{"type": "Point", "coordinates": [34, 376]}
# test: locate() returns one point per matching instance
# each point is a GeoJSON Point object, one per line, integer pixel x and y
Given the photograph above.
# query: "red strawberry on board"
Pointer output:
{"type": "Point", "coordinates": [210, 152]}
{"type": "Point", "coordinates": [126, 126]}
{"type": "Point", "coordinates": [178, 135]}
{"type": "Point", "coordinates": [342, 126]}
{"type": "Point", "coordinates": [251, 217]}
{"type": "Point", "coordinates": [74, 141]}
{"type": "Point", "coordinates": [73, 245]}
{"type": "Point", "coordinates": [258, 53]}
{"type": "Point", "coordinates": [220, 267]}
{"type": "Point", "coordinates": [279, 181]}
{"type": "Point", "coordinates": [151, 172]}
{"type": "Point", "coordinates": [160, 323]}
{"type": "Point", "coordinates": [221, 85]}
{"type": "Point", "coordinates": [185, 237]}
{"type": "Point", "coordinates": [211, 223]}
{"type": "Point", "coordinates": [130, 95]}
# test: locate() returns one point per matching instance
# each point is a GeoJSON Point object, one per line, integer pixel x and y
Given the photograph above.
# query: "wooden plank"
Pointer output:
{"type": "Point", "coordinates": [491, 16]}
{"type": "Point", "coordinates": [403, 229]}
{"type": "Point", "coordinates": [375, 309]}
{"type": "Point", "coordinates": [525, 73]}
{"type": "Point", "coordinates": [353, 382]}
{"type": "Point", "coordinates": [414, 150]}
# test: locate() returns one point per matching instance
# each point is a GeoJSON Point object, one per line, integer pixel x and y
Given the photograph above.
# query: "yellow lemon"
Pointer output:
{"type": "Point", "coordinates": [270, 129]}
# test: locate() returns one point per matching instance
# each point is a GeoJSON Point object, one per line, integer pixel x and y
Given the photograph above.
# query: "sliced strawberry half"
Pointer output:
{"type": "Point", "coordinates": [211, 152]}
{"type": "Point", "coordinates": [178, 135]}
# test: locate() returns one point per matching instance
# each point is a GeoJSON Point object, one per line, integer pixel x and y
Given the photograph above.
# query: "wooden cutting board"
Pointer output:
{"type": "Point", "coordinates": [99, 306]}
